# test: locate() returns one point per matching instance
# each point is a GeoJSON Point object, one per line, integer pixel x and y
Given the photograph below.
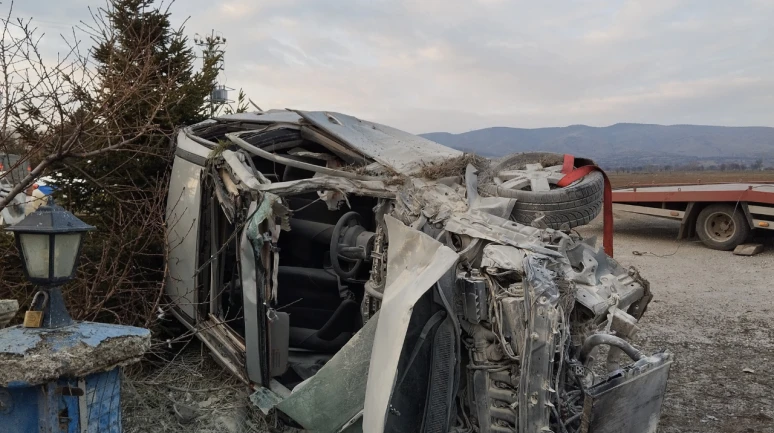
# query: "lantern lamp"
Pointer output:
{"type": "Point", "coordinates": [49, 241]}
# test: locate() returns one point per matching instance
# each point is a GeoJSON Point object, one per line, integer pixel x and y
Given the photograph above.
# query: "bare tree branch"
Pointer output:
{"type": "Point", "coordinates": [98, 118]}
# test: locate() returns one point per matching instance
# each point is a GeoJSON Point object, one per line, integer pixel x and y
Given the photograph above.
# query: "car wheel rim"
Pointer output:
{"type": "Point", "coordinates": [720, 227]}
{"type": "Point", "coordinates": [534, 177]}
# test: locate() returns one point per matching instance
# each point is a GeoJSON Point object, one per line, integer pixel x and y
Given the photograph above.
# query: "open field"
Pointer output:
{"type": "Point", "coordinates": [713, 310]}
{"type": "Point", "coordinates": [623, 180]}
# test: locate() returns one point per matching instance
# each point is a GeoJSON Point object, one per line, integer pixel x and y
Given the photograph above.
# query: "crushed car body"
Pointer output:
{"type": "Point", "coordinates": [360, 278]}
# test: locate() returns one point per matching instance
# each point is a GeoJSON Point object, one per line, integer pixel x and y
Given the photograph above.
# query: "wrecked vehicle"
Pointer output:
{"type": "Point", "coordinates": [360, 278]}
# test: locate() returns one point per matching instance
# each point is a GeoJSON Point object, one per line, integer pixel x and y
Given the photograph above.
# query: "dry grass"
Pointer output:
{"type": "Point", "coordinates": [355, 168]}
{"type": "Point", "coordinates": [551, 160]}
{"type": "Point", "coordinates": [453, 167]}
{"type": "Point", "coordinates": [191, 379]}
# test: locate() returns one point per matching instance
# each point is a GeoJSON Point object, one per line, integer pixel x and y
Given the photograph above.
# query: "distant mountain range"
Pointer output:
{"type": "Point", "coordinates": [625, 144]}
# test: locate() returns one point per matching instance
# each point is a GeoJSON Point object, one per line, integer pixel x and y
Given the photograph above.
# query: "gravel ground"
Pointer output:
{"type": "Point", "coordinates": [189, 393]}
{"type": "Point", "coordinates": [715, 311]}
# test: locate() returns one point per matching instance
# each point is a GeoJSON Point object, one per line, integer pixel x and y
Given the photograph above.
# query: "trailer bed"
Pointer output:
{"type": "Point", "coordinates": [727, 192]}
{"type": "Point", "coordinates": [755, 201]}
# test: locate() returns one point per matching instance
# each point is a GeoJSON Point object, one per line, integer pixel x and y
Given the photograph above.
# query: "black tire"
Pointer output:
{"type": "Point", "coordinates": [714, 230]}
{"type": "Point", "coordinates": [575, 205]}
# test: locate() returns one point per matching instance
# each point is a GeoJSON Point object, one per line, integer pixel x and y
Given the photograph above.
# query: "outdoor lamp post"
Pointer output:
{"type": "Point", "coordinates": [49, 242]}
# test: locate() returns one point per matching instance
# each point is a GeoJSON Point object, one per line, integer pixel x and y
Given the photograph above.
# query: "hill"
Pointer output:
{"type": "Point", "coordinates": [625, 144]}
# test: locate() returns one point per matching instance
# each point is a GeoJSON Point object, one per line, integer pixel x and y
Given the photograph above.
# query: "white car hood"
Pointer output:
{"type": "Point", "coordinates": [403, 152]}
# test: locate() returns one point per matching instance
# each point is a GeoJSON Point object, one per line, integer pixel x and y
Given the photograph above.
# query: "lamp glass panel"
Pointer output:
{"type": "Point", "coordinates": [65, 252]}
{"type": "Point", "coordinates": [35, 248]}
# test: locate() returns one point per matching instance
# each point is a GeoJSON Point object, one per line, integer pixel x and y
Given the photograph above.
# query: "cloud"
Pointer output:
{"type": "Point", "coordinates": [456, 65]}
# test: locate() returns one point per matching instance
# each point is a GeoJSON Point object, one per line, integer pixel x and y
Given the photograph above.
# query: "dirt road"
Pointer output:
{"type": "Point", "coordinates": [715, 311]}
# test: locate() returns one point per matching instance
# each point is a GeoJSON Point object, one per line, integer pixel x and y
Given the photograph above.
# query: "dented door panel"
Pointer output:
{"type": "Point", "coordinates": [183, 219]}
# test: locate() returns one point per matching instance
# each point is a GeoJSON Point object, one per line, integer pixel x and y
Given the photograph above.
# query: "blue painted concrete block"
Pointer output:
{"type": "Point", "coordinates": [86, 405]}
{"type": "Point", "coordinates": [65, 380]}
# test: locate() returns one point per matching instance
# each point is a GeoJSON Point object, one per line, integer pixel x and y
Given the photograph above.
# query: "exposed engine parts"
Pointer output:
{"type": "Point", "coordinates": [534, 306]}
{"type": "Point", "coordinates": [532, 325]}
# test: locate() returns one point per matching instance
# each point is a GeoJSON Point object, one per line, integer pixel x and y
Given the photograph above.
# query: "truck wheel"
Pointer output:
{"type": "Point", "coordinates": [722, 226]}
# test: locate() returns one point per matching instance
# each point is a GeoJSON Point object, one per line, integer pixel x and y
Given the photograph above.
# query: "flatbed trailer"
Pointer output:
{"type": "Point", "coordinates": [722, 215]}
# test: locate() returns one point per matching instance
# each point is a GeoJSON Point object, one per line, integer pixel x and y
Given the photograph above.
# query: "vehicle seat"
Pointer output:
{"type": "Point", "coordinates": [320, 320]}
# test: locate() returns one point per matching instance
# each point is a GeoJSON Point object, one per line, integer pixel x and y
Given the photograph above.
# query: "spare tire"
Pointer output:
{"type": "Point", "coordinates": [560, 207]}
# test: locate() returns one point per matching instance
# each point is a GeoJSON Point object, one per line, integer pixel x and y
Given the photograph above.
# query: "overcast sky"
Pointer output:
{"type": "Point", "coordinates": [456, 65]}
